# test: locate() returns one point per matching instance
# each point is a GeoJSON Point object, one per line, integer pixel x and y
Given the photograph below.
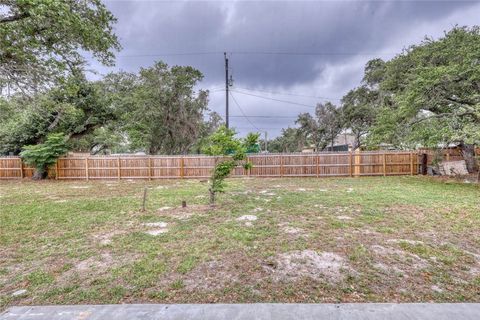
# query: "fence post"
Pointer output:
{"type": "Point", "coordinates": [358, 162]}
{"type": "Point", "coordinates": [21, 169]}
{"type": "Point", "coordinates": [86, 168]}
{"type": "Point", "coordinates": [281, 165]}
{"type": "Point", "coordinates": [56, 169]}
{"type": "Point", "coordinates": [384, 164]}
{"type": "Point", "coordinates": [351, 164]}
{"type": "Point", "coordinates": [318, 165]}
{"type": "Point", "coordinates": [149, 168]}
{"type": "Point", "coordinates": [119, 172]}
{"type": "Point", "coordinates": [411, 163]}
{"type": "Point", "coordinates": [182, 173]}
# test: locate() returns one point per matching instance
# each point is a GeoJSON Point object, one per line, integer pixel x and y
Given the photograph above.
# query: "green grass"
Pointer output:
{"type": "Point", "coordinates": [86, 242]}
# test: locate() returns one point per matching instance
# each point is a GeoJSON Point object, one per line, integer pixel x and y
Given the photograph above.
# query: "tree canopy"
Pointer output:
{"type": "Point", "coordinates": [322, 129]}
{"type": "Point", "coordinates": [41, 40]}
{"type": "Point", "coordinates": [77, 108]}
{"type": "Point", "coordinates": [166, 113]}
{"type": "Point", "coordinates": [431, 93]}
{"type": "Point", "coordinates": [157, 111]}
{"type": "Point", "coordinates": [290, 140]}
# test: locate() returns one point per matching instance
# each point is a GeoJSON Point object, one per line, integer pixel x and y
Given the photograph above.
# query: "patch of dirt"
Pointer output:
{"type": "Point", "coordinates": [406, 210]}
{"type": "Point", "coordinates": [406, 258]}
{"type": "Point", "coordinates": [387, 269]}
{"type": "Point", "coordinates": [156, 224]}
{"type": "Point", "coordinates": [247, 217]}
{"type": "Point", "coordinates": [156, 232]}
{"type": "Point", "coordinates": [234, 268]}
{"type": "Point", "coordinates": [436, 289]}
{"type": "Point", "coordinates": [344, 217]}
{"type": "Point", "coordinates": [292, 230]}
{"type": "Point", "coordinates": [185, 213]}
{"type": "Point", "coordinates": [106, 238]}
{"type": "Point", "coordinates": [267, 193]}
{"type": "Point", "coordinates": [210, 276]}
{"type": "Point", "coordinates": [95, 266]}
{"type": "Point", "coordinates": [160, 228]}
{"type": "Point", "coordinates": [412, 242]}
{"type": "Point", "coordinates": [102, 262]}
{"type": "Point", "coordinates": [295, 265]}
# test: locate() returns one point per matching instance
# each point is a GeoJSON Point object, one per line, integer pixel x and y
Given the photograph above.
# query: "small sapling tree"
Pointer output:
{"type": "Point", "coordinates": [228, 152]}
{"type": "Point", "coordinates": [41, 156]}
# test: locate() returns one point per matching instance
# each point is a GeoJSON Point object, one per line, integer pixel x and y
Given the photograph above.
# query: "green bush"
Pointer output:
{"type": "Point", "coordinates": [41, 156]}
{"type": "Point", "coordinates": [229, 151]}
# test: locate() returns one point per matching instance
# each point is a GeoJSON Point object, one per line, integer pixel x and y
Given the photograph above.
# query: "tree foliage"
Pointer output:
{"type": "Point", "coordinates": [228, 152]}
{"type": "Point", "coordinates": [359, 111]}
{"type": "Point", "coordinates": [41, 40]}
{"type": "Point", "coordinates": [43, 155]}
{"type": "Point", "coordinates": [290, 140]}
{"type": "Point", "coordinates": [322, 129]}
{"type": "Point", "coordinates": [156, 111]}
{"type": "Point", "coordinates": [166, 114]}
{"type": "Point", "coordinates": [77, 108]}
{"type": "Point", "coordinates": [432, 94]}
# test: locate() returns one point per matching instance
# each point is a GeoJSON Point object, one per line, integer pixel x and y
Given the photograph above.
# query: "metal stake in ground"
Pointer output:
{"type": "Point", "coordinates": [144, 199]}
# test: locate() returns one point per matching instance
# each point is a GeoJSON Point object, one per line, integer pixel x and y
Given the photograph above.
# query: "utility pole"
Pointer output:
{"type": "Point", "coordinates": [226, 88]}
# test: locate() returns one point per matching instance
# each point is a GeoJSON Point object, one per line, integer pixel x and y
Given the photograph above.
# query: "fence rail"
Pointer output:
{"type": "Point", "coordinates": [194, 166]}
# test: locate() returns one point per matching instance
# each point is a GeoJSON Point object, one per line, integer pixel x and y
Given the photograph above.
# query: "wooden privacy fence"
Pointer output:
{"type": "Point", "coordinates": [198, 166]}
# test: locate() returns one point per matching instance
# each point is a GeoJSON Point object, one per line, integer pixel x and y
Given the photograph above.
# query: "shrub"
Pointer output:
{"type": "Point", "coordinates": [41, 156]}
{"type": "Point", "coordinates": [228, 152]}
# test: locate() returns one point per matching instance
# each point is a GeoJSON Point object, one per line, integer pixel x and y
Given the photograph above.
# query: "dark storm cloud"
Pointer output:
{"type": "Point", "coordinates": [149, 28]}
{"type": "Point", "coordinates": [348, 33]}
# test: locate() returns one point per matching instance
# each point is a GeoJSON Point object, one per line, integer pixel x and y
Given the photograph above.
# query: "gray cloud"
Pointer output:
{"type": "Point", "coordinates": [348, 33]}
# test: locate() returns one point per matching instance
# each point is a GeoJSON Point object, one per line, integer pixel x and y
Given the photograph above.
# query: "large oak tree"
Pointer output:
{"type": "Point", "coordinates": [43, 40]}
{"type": "Point", "coordinates": [431, 94]}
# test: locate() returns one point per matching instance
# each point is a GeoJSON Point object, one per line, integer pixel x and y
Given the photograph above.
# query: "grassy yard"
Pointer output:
{"type": "Point", "coordinates": [268, 240]}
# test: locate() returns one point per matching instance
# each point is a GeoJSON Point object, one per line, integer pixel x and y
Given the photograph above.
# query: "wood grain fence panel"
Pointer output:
{"type": "Point", "coordinates": [71, 168]}
{"type": "Point", "coordinates": [199, 166]}
{"type": "Point", "coordinates": [11, 168]}
{"type": "Point", "coordinates": [165, 167]}
{"type": "Point", "coordinates": [102, 168]}
{"type": "Point", "coordinates": [334, 164]}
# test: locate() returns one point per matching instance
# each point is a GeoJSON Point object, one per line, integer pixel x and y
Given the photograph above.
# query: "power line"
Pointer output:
{"type": "Point", "coordinates": [289, 94]}
{"type": "Point", "coordinates": [165, 54]}
{"type": "Point", "coordinates": [291, 53]}
{"type": "Point", "coordinates": [278, 53]}
{"type": "Point", "coordinates": [241, 110]}
{"type": "Point", "coordinates": [267, 117]}
{"type": "Point", "coordinates": [273, 99]}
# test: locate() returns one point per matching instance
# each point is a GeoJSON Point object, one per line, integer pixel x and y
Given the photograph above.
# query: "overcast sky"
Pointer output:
{"type": "Point", "coordinates": [303, 52]}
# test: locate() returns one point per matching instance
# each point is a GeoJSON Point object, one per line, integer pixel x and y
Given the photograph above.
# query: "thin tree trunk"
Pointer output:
{"type": "Point", "coordinates": [39, 174]}
{"type": "Point", "coordinates": [212, 197]}
{"type": "Point", "coordinates": [468, 153]}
